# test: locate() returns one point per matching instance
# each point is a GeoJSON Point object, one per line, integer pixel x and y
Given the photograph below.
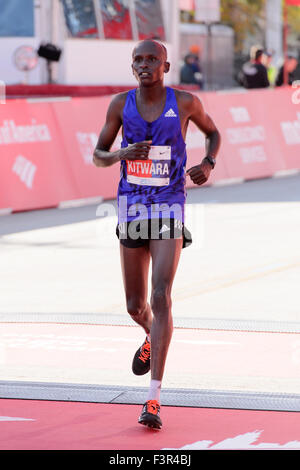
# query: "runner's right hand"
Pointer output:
{"type": "Point", "coordinates": [137, 151]}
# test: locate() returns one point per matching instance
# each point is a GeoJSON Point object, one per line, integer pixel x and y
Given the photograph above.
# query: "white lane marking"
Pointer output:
{"type": "Point", "coordinates": [247, 441]}
{"type": "Point", "coordinates": [13, 418]}
{"type": "Point", "coordinates": [31, 341]}
{"type": "Point", "coordinates": [206, 343]}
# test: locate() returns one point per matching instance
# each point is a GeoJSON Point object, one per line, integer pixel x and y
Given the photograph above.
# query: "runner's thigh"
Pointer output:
{"type": "Point", "coordinates": [135, 268]}
{"type": "Point", "coordinates": [165, 257]}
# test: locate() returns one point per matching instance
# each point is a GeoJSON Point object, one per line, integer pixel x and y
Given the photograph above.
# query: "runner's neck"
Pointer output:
{"type": "Point", "coordinates": [151, 94]}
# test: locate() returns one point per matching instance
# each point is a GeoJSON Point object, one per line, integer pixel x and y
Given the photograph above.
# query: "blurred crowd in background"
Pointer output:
{"type": "Point", "coordinates": [213, 44]}
{"type": "Point", "coordinates": [259, 71]}
{"type": "Point", "coordinates": [265, 40]}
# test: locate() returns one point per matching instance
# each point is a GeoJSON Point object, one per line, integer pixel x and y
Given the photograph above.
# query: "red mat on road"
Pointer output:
{"type": "Point", "coordinates": [49, 425]}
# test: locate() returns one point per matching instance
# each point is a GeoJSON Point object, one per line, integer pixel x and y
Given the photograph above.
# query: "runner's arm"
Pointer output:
{"type": "Point", "coordinates": [102, 157]}
{"type": "Point", "coordinates": [205, 123]}
{"type": "Point", "coordinates": [194, 111]}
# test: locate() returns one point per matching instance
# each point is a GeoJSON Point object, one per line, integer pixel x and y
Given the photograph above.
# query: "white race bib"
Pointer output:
{"type": "Point", "coordinates": [152, 172]}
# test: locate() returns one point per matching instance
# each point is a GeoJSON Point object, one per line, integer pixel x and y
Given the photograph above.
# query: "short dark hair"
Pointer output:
{"type": "Point", "coordinates": [258, 53]}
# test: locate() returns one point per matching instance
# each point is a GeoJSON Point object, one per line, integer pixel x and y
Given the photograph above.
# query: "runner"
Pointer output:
{"type": "Point", "coordinates": [151, 198]}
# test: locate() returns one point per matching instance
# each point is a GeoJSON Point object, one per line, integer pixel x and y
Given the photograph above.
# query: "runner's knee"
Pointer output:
{"type": "Point", "coordinates": [135, 306]}
{"type": "Point", "coordinates": [160, 298]}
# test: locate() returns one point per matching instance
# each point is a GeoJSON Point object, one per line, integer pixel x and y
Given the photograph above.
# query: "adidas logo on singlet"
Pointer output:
{"type": "Point", "coordinates": [170, 113]}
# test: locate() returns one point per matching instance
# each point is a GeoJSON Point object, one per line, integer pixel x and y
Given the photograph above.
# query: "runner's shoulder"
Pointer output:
{"type": "Point", "coordinates": [118, 102]}
{"type": "Point", "coordinates": [186, 100]}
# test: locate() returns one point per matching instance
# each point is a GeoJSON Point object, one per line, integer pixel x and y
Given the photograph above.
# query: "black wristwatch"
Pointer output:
{"type": "Point", "coordinates": [211, 160]}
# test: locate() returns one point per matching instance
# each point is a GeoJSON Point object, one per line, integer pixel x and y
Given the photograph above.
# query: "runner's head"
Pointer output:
{"type": "Point", "coordinates": [149, 62]}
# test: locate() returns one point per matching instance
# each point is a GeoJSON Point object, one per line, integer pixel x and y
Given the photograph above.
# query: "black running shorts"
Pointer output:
{"type": "Point", "coordinates": [138, 232]}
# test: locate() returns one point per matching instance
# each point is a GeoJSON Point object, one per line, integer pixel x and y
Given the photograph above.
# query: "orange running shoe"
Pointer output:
{"type": "Point", "coordinates": [141, 360]}
{"type": "Point", "coordinates": [150, 415]}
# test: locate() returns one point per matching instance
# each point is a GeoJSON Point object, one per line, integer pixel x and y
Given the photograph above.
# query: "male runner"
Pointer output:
{"type": "Point", "coordinates": [154, 120]}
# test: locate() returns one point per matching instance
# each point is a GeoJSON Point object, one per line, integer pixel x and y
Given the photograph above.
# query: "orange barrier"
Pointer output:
{"type": "Point", "coordinates": [46, 147]}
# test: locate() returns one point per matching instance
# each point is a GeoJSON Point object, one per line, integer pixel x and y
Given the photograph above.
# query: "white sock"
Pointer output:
{"type": "Point", "coordinates": [154, 390]}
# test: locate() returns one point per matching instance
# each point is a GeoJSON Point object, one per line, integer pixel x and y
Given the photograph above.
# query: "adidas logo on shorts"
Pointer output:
{"type": "Point", "coordinates": [170, 113]}
{"type": "Point", "coordinates": [164, 229]}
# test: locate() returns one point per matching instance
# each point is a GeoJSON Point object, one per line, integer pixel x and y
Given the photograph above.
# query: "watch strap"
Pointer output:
{"type": "Point", "coordinates": [211, 160]}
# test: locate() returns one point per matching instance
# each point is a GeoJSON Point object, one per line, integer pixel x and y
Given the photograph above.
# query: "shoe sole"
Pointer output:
{"type": "Point", "coordinates": [138, 372]}
{"type": "Point", "coordinates": [155, 427]}
{"type": "Point", "coordinates": [150, 422]}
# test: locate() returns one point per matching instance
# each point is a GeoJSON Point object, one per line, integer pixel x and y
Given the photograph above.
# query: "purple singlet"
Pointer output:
{"type": "Point", "coordinates": [154, 187]}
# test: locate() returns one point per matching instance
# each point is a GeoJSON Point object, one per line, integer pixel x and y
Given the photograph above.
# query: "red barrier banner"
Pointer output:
{"type": "Point", "coordinates": [285, 117]}
{"type": "Point", "coordinates": [250, 146]}
{"type": "Point", "coordinates": [33, 170]}
{"type": "Point", "coordinates": [47, 147]}
{"type": "Point", "coordinates": [79, 122]}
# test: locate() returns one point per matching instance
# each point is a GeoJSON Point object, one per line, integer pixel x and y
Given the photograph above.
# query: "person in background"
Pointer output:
{"type": "Point", "coordinates": [191, 71]}
{"type": "Point", "coordinates": [271, 69]}
{"type": "Point", "coordinates": [291, 64]}
{"type": "Point", "coordinates": [254, 73]}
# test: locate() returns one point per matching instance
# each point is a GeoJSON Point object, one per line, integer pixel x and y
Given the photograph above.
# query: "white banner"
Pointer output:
{"type": "Point", "coordinates": [207, 10]}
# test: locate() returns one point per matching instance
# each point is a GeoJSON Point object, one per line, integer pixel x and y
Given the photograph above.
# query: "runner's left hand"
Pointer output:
{"type": "Point", "coordinates": [199, 174]}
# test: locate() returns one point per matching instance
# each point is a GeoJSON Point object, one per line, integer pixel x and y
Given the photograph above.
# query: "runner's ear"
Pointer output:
{"type": "Point", "coordinates": [167, 67]}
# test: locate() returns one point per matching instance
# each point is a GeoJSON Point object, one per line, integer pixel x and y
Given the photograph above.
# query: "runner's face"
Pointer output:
{"type": "Point", "coordinates": [149, 64]}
